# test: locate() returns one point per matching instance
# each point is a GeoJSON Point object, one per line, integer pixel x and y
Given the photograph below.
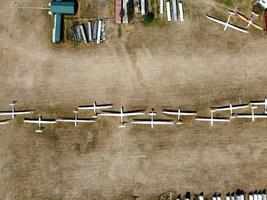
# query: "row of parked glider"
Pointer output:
{"type": "Point", "coordinates": [249, 20]}
{"type": "Point", "coordinates": [151, 121]}
{"type": "Point", "coordinates": [238, 195]}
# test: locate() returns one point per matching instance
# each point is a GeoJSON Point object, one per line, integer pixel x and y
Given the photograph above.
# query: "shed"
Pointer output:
{"type": "Point", "coordinates": [63, 7]}
{"type": "Point", "coordinates": [57, 28]}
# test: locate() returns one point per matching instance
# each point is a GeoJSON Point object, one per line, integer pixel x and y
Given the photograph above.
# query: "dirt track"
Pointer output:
{"type": "Point", "coordinates": [193, 65]}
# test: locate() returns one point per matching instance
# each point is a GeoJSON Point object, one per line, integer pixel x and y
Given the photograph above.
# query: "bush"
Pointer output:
{"type": "Point", "coordinates": [149, 18]}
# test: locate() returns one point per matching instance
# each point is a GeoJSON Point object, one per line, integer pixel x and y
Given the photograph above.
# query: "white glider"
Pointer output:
{"type": "Point", "coordinates": [260, 103]}
{"type": "Point", "coordinates": [230, 108]}
{"type": "Point", "coordinates": [76, 120]}
{"type": "Point", "coordinates": [251, 116]}
{"type": "Point", "coordinates": [95, 107]}
{"type": "Point", "coordinates": [179, 113]}
{"type": "Point", "coordinates": [39, 121]}
{"type": "Point", "coordinates": [227, 24]}
{"type": "Point", "coordinates": [211, 119]}
{"type": "Point", "coordinates": [122, 114]}
{"type": "Point", "coordinates": [152, 121]}
{"type": "Point", "coordinates": [15, 112]}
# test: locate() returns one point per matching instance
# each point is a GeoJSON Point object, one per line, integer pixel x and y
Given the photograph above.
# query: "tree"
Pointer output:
{"type": "Point", "coordinates": [130, 10]}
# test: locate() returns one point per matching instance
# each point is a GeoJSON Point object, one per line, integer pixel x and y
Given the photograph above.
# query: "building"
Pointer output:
{"type": "Point", "coordinates": [59, 8]}
{"type": "Point", "coordinates": [263, 3]}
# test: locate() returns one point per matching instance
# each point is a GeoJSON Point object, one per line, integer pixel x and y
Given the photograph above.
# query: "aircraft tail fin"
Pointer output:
{"type": "Point", "coordinates": [122, 124]}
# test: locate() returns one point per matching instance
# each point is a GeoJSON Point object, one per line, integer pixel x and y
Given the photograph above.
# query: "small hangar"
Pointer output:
{"type": "Point", "coordinates": [59, 8]}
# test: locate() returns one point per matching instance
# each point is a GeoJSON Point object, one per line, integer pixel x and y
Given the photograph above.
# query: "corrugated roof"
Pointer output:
{"type": "Point", "coordinates": [57, 28]}
{"type": "Point", "coordinates": [62, 7]}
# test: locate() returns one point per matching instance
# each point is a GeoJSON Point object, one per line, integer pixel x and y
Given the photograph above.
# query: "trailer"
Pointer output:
{"type": "Point", "coordinates": [181, 11]}
{"type": "Point", "coordinates": [265, 16]}
{"type": "Point", "coordinates": [90, 39]}
{"type": "Point", "coordinates": [98, 39]}
{"type": "Point", "coordinates": [143, 7]}
{"type": "Point", "coordinates": [125, 15]}
{"type": "Point", "coordinates": [83, 34]}
{"type": "Point", "coordinates": [78, 32]}
{"type": "Point", "coordinates": [118, 8]}
{"type": "Point", "coordinates": [103, 31]}
{"type": "Point", "coordinates": [95, 30]}
{"type": "Point", "coordinates": [168, 9]}
{"type": "Point", "coordinates": [161, 10]}
{"type": "Point", "coordinates": [174, 10]}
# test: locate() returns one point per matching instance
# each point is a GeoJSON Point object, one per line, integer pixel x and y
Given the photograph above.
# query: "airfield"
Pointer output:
{"type": "Point", "coordinates": [193, 64]}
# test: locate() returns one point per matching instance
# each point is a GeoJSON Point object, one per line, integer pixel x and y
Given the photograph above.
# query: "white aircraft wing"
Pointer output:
{"type": "Point", "coordinates": [4, 113]}
{"type": "Point", "coordinates": [237, 28]}
{"type": "Point", "coordinates": [91, 107]}
{"type": "Point", "coordinates": [221, 119]}
{"type": "Point", "coordinates": [119, 114]}
{"type": "Point", "coordinates": [246, 116]}
{"type": "Point", "coordinates": [133, 113]}
{"type": "Point", "coordinates": [216, 20]}
{"type": "Point", "coordinates": [228, 25]}
{"type": "Point", "coordinates": [162, 122]}
{"type": "Point", "coordinates": [86, 120]}
{"type": "Point", "coordinates": [257, 103]}
{"type": "Point", "coordinates": [240, 106]}
{"type": "Point", "coordinates": [36, 121]}
{"type": "Point", "coordinates": [3, 122]}
{"type": "Point", "coordinates": [226, 108]}
{"type": "Point", "coordinates": [205, 119]}
{"type": "Point", "coordinates": [181, 113]}
{"type": "Point", "coordinates": [208, 119]}
{"type": "Point", "coordinates": [149, 122]}
{"type": "Point", "coordinates": [31, 121]}
{"type": "Point", "coordinates": [110, 113]}
{"type": "Point", "coordinates": [249, 116]}
{"type": "Point", "coordinates": [22, 112]}
{"type": "Point", "coordinates": [48, 121]}
{"type": "Point", "coordinates": [71, 120]}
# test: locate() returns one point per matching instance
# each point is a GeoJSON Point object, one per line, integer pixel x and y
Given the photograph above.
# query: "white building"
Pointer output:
{"type": "Point", "coordinates": [263, 3]}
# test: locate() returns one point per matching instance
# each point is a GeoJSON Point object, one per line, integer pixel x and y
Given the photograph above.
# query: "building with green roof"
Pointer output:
{"type": "Point", "coordinates": [59, 8]}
